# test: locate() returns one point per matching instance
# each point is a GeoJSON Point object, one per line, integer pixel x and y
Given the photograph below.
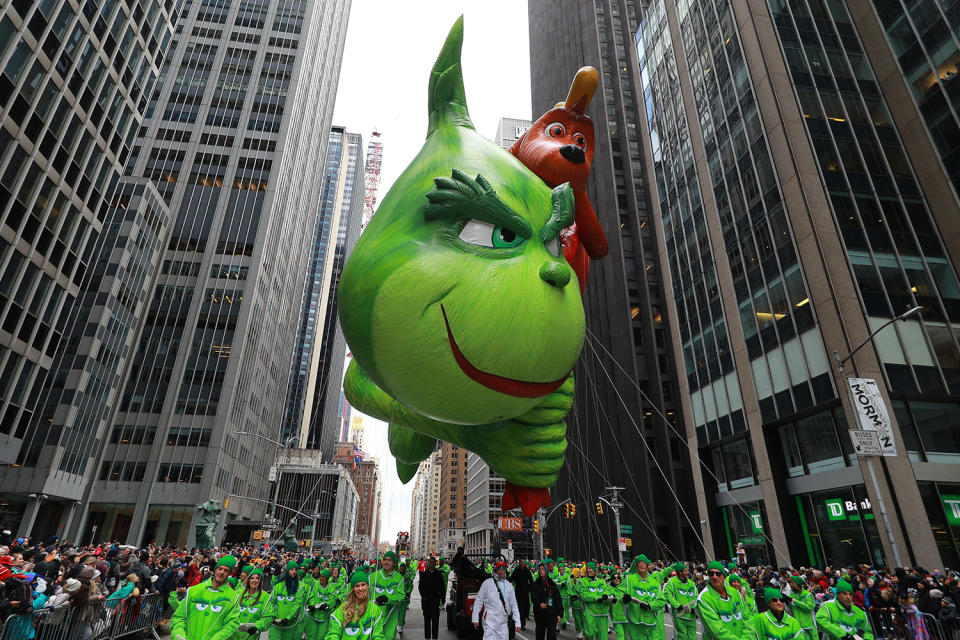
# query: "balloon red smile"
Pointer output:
{"type": "Point", "coordinates": [509, 386]}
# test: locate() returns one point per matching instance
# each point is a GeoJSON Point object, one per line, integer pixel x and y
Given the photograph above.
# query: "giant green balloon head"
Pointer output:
{"type": "Point", "coordinates": [457, 301]}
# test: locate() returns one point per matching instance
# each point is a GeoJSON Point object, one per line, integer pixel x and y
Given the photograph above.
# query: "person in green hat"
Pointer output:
{"type": "Point", "coordinates": [746, 596]}
{"type": "Point", "coordinates": [358, 618]}
{"type": "Point", "coordinates": [802, 606]}
{"type": "Point", "coordinates": [681, 594]}
{"type": "Point", "coordinates": [593, 594]}
{"type": "Point", "coordinates": [562, 578]}
{"type": "Point", "coordinates": [838, 618]}
{"type": "Point", "coordinates": [286, 605]}
{"type": "Point", "coordinates": [720, 607]}
{"type": "Point", "coordinates": [577, 607]}
{"type": "Point", "coordinates": [323, 600]}
{"type": "Point", "coordinates": [444, 570]}
{"type": "Point", "coordinates": [209, 611]}
{"type": "Point", "coordinates": [252, 604]}
{"type": "Point", "coordinates": [408, 577]}
{"type": "Point", "coordinates": [617, 590]}
{"type": "Point", "coordinates": [387, 589]}
{"type": "Point", "coordinates": [645, 610]}
{"type": "Point", "coordinates": [775, 623]}
{"type": "Point", "coordinates": [305, 572]}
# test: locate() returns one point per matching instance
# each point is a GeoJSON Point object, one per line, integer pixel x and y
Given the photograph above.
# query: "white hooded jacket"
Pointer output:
{"type": "Point", "coordinates": [494, 614]}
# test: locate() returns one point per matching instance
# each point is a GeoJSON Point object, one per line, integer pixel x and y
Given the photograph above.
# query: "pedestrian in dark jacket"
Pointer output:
{"type": "Point", "coordinates": [142, 571]}
{"type": "Point", "coordinates": [522, 580]}
{"type": "Point", "coordinates": [547, 605]}
{"type": "Point", "coordinates": [431, 590]}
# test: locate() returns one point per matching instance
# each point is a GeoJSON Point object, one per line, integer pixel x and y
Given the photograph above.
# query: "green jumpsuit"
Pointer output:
{"type": "Point", "coordinates": [408, 577]}
{"type": "Point", "coordinates": [252, 609]}
{"type": "Point", "coordinates": [682, 597]}
{"type": "Point", "coordinates": [321, 603]}
{"type": "Point", "coordinates": [576, 606]}
{"type": "Point", "coordinates": [287, 607]}
{"type": "Point", "coordinates": [392, 587]}
{"type": "Point", "coordinates": [368, 627]}
{"type": "Point", "coordinates": [562, 578]}
{"type": "Point", "coordinates": [592, 592]}
{"type": "Point", "coordinates": [645, 623]}
{"type": "Point", "coordinates": [206, 613]}
{"type": "Point", "coordinates": [767, 627]}
{"type": "Point", "coordinates": [618, 610]}
{"type": "Point", "coordinates": [445, 574]}
{"type": "Point", "coordinates": [837, 621]}
{"type": "Point", "coordinates": [802, 606]}
{"type": "Point", "coordinates": [722, 617]}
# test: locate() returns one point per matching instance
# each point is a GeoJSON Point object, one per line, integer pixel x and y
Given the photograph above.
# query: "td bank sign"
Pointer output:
{"type": "Point", "coordinates": [951, 505]}
{"type": "Point", "coordinates": [839, 509]}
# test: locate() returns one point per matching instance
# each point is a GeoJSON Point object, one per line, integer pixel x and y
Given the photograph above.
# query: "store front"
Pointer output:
{"type": "Point", "coordinates": [942, 503]}
{"type": "Point", "coordinates": [744, 525]}
{"type": "Point", "coordinates": [839, 527]}
{"type": "Point", "coordinates": [166, 524]}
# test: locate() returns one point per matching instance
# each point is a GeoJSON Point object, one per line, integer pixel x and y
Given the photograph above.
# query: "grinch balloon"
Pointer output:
{"type": "Point", "coordinates": [463, 317]}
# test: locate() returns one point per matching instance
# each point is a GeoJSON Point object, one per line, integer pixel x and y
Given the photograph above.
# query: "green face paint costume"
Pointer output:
{"type": "Point", "coordinates": [206, 613]}
{"type": "Point", "coordinates": [462, 315]}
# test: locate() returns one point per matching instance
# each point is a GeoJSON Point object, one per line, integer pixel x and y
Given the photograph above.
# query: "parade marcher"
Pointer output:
{"type": "Point", "coordinates": [645, 610]}
{"type": "Point", "coordinates": [286, 605]}
{"type": "Point", "coordinates": [431, 590]}
{"type": "Point", "coordinates": [775, 623]}
{"type": "Point", "coordinates": [681, 594]}
{"type": "Point", "coordinates": [749, 609]}
{"type": "Point", "coordinates": [209, 611]}
{"type": "Point", "coordinates": [408, 577]}
{"type": "Point", "coordinates": [252, 605]}
{"type": "Point", "coordinates": [840, 619]}
{"type": "Point", "coordinates": [593, 592]}
{"type": "Point", "coordinates": [358, 618]}
{"type": "Point", "coordinates": [720, 608]}
{"type": "Point", "coordinates": [444, 568]}
{"type": "Point", "coordinates": [387, 590]}
{"type": "Point", "coordinates": [498, 601]}
{"type": "Point", "coordinates": [547, 604]}
{"type": "Point", "coordinates": [577, 607]}
{"type": "Point", "coordinates": [562, 577]}
{"type": "Point", "coordinates": [618, 604]}
{"type": "Point", "coordinates": [522, 581]}
{"type": "Point", "coordinates": [323, 600]}
{"type": "Point", "coordinates": [802, 605]}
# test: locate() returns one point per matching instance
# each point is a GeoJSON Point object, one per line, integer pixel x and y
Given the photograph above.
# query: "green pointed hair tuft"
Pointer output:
{"type": "Point", "coordinates": [447, 100]}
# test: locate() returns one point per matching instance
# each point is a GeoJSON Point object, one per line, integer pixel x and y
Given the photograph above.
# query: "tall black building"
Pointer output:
{"type": "Point", "coordinates": [624, 429]}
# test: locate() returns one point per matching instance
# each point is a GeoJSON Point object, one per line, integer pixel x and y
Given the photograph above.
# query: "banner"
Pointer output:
{"type": "Point", "coordinates": [872, 412]}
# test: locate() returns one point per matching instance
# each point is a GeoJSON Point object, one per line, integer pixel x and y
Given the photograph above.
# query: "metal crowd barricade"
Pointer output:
{"type": "Point", "coordinates": [888, 625]}
{"type": "Point", "coordinates": [96, 621]}
{"type": "Point", "coordinates": [942, 630]}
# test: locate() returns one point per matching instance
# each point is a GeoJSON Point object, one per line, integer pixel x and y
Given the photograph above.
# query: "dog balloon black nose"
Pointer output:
{"type": "Point", "coordinates": [573, 153]}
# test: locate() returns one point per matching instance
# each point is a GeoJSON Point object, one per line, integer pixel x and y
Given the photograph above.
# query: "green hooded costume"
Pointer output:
{"type": "Point", "coordinates": [286, 606]}
{"type": "Point", "coordinates": [593, 594]}
{"type": "Point", "coordinates": [618, 608]}
{"type": "Point", "coordinates": [682, 597]}
{"type": "Point", "coordinates": [768, 627]}
{"type": "Point", "coordinates": [321, 603]}
{"type": "Point", "coordinates": [746, 596]}
{"type": "Point", "coordinates": [562, 577]}
{"type": "Point", "coordinates": [838, 621]}
{"type": "Point", "coordinates": [645, 610]}
{"type": "Point", "coordinates": [206, 613]}
{"type": "Point", "coordinates": [388, 591]}
{"type": "Point", "coordinates": [253, 609]}
{"type": "Point", "coordinates": [802, 605]}
{"type": "Point", "coordinates": [722, 615]}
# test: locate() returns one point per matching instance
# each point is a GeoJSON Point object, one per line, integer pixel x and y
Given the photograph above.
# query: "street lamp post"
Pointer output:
{"type": "Point", "coordinates": [615, 504]}
{"type": "Point", "coordinates": [881, 503]}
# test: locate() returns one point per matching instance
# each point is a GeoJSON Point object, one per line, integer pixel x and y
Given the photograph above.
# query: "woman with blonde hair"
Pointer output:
{"type": "Point", "coordinates": [357, 615]}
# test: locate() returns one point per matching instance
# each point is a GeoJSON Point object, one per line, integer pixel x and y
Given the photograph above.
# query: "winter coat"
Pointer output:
{"type": "Point", "coordinates": [431, 590]}
{"type": "Point", "coordinates": [545, 591]}
{"type": "Point", "coordinates": [495, 613]}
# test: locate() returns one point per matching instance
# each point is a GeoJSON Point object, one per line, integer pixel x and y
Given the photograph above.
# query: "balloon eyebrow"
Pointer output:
{"type": "Point", "coordinates": [463, 197]}
{"type": "Point", "coordinates": [563, 212]}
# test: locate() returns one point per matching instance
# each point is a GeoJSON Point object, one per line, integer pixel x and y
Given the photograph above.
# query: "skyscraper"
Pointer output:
{"type": "Point", "coordinates": [233, 134]}
{"type": "Point", "coordinates": [804, 208]}
{"type": "Point", "coordinates": [311, 410]}
{"type": "Point", "coordinates": [74, 88]}
{"type": "Point", "coordinates": [627, 366]}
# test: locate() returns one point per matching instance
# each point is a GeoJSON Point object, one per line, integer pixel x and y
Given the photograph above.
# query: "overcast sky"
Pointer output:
{"type": "Point", "coordinates": [391, 47]}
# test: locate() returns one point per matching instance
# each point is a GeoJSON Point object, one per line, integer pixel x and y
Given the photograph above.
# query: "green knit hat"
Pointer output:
{"type": "Point", "coordinates": [798, 580]}
{"type": "Point", "coordinates": [770, 594]}
{"type": "Point", "coordinates": [641, 558]}
{"type": "Point", "coordinates": [560, 560]}
{"type": "Point", "coordinates": [391, 555]}
{"type": "Point", "coordinates": [227, 561]}
{"type": "Point", "coordinates": [232, 581]}
{"type": "Point", "coordinates": [716, 564]}
{"type": "Point", "coordinates": [247, 569]}
{"type": "Point", "coordinates": [733, 578]}
{"type": "Point", "coordinates": [679, 566]}
{"type": "Point", "coordinates": [255, 572]}
{"type": "Point", "coordinates": [592, 565]}
{"type": "Point", "coordinates": [357, 577]}
{"type": "Point", "coordinates": [325, 572]}
{"type": "Point", "coordinates": [291, 564]}
{"type": "Point", "coordinates": [843, 585]}
{"type": "Point", "coordinates": [305, 562]}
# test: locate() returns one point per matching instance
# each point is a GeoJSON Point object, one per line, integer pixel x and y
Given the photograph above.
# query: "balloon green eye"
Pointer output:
{"type": "Point", "coordinates": [485, 234]}
{"type": "Point", "coordinates": [504, 238]}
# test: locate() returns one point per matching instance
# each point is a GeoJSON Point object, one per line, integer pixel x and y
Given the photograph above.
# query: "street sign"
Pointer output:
{"type": "Point", "coordinates": [272, 477]}
{"type": "Point", "coordinates": [866, 443]}
{"type": "Point", "coordinates": [626, 529]}
{"type": "Point", "coordinates": [872, 412]}
{"type": "Point", "coordinates": [510, 524]}
{"type": "Point", "coordinates": [622, 544]}
{"type": "Point", "coordinates": [629, 541]}
{"type": "Point", "coordinates": [258, 535]}
{"type": "Point", "coordinates": [308, 528]}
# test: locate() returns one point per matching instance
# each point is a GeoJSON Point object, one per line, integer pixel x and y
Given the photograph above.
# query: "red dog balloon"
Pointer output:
{"type": "Point", "coordinates": [558, 147]}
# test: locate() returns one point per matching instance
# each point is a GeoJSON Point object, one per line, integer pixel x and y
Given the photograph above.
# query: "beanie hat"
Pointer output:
{"type": "Point", "coordinates": [227, 561]}
{"type": "Point", "coordinates": [843, 585]}
{"type": "Point", "coordinates": [255, 572]}
{"type": "Point", "coordinates": [936, 593]}
{"type": "Point", "coordinates": [679, 566]}
{"type": "Point", "coordinates": [592, 565]}
{"type": "Point", "coordinates": [716, 565]}
{"type": "Point", "coordinates": [770, 594]}
{"type": "Point", "coordinates": [325, 572]}
{"type": "Point", "coordinates": [357, 577]}
{"type": "Point", "coordinates": [232, 581]}
{"type": "Point", "coordinates": [247, 569]}
{"type": "Point", "coordinates": [798, 580]}
{"type": "Point", "coordinates": [305, 562]}
{"type": "Point", "coordinates": [733, 578]}
{"type": "Point", "coordinates": [291, 564]}
{"type": "Point", "coordinates": [641, 558]}
{"type": "Point", "coordinates": [391, 555]}
{"type": "Point", "coordinates": [72, 585]}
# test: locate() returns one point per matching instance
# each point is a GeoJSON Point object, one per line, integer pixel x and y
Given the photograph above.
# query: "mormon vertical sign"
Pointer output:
{"type": "Point", "coordinates": [872, 412]}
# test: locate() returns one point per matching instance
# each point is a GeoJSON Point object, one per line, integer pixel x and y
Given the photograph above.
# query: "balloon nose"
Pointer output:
{"type": "Point", "coordinates": [555, 273]}
{"type": "Point", "coordinates": [573, 153]}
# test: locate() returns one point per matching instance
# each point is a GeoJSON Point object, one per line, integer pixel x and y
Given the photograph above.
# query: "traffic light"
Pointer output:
{"type": "Point", "coordinates": [599, 508]}
{"type": "Point", "coordinates": [573, 510]}
{"type": "Point", "coordinates": [566, 510]}
{"type": "Point", "coordinates": [536, 526]}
